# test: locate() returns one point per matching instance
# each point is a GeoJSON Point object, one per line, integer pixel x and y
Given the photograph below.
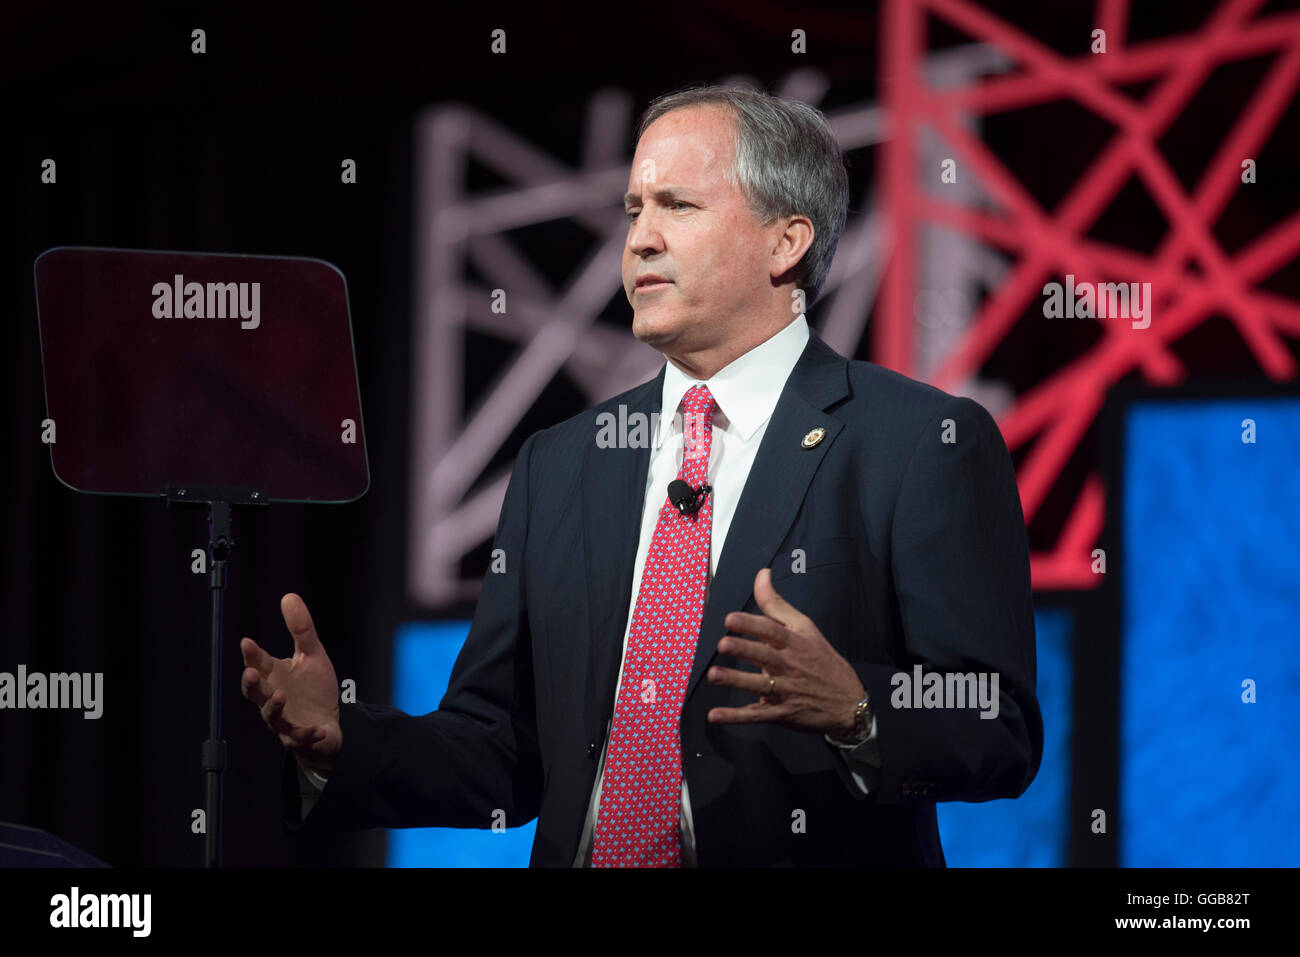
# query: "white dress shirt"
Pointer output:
{"type": "Point", "coordinates": [746, 392]}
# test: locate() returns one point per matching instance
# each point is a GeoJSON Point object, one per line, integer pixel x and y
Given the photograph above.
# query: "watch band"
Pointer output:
{"type": "Point", "coordinates": [861, 725]}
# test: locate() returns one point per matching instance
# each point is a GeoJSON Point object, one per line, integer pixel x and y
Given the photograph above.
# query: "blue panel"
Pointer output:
{"type": "Point", "coordinates": [1211, 584]}
{"type": "Point", "coordinates": [1029, 831]}
{"type": "Point", "coordinates": [423, 656]}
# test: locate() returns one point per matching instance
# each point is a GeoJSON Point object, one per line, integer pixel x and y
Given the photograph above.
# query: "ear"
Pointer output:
{"type": "Point", "coordinates": [793, 240]}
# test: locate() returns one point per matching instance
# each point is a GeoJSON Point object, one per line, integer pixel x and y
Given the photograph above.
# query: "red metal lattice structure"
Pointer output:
{"type": "Point", "coordinates": [1045, 244]}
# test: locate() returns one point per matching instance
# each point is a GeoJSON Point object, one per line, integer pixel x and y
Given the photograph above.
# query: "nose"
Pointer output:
{"type": "Point", "coordinates": [643, 235]}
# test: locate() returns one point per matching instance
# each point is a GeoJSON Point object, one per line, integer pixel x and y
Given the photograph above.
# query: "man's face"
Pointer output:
{"type": "Point", "coordinates": [690, 226]}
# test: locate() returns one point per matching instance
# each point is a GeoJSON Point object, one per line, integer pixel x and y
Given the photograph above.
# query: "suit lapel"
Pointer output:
{"type": "Point", "coordinates": [774, 490]}
{"type": "Point", "coordinates": [613, 493]}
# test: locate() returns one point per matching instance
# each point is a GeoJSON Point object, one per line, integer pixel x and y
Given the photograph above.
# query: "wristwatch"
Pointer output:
{"type": "Point", "coordinates": [861, 725]}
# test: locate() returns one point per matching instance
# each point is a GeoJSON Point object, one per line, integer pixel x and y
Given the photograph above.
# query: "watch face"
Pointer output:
{"type": "Point", "coordinates": [860, 718]}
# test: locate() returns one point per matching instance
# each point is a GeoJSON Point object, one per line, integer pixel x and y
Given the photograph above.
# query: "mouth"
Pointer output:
{"type": "Point", "coordinates": [650, 283]}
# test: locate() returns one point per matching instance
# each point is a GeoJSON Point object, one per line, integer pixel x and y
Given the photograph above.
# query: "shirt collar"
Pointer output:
{"type": "Point", "coordinates": [747, 389]}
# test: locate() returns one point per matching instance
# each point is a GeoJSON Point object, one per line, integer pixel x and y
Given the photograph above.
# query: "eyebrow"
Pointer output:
{"type": "Point", "coordinates": [660, 193]}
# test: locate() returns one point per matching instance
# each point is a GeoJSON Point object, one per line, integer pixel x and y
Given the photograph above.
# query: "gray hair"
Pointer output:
{"type": "Point", "coordinates": [787, 162]}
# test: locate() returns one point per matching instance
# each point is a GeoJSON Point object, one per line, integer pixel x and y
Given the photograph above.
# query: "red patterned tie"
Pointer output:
{"type": "Point", "coordinates": [641, 792]}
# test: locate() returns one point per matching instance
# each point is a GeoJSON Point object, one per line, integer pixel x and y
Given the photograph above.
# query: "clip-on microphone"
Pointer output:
{"type": "Point", "coordinates": [685, 499]}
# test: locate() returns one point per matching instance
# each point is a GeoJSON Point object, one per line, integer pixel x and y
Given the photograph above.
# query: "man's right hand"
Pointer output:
{"type": "Point", "coordinates": [298, 696]}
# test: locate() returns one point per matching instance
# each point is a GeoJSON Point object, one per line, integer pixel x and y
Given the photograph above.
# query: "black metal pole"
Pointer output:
{"type": "Point", "coordinates": [220, 500]}
{"type": "Point", "coordinates": [220, 544]}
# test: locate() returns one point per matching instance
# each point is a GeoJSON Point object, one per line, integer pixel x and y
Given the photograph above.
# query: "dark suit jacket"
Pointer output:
{"type": "Point", "coordinates": [915, 553]}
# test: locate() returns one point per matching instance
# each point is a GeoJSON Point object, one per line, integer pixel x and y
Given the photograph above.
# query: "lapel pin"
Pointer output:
{"type": "Point", "coordinates": [814, 437]}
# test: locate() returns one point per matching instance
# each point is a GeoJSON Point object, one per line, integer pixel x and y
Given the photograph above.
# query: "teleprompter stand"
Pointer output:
{"type": "Point", "coordinates": [220, 503]}
{"type": "Point", "coordinates": [211, 379]}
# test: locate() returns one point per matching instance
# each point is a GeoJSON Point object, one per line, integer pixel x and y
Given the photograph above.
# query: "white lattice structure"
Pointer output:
{"type": "Point", "coordinates": [451, 512]}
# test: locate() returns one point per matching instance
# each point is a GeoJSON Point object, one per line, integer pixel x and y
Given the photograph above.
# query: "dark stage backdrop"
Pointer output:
{"type": "Point", "coordinates": [239, 150]}
{"type": "Point", "coordinates": [104, 584]}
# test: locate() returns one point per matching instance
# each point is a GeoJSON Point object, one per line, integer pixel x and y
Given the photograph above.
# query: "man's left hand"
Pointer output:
{"type": "Point", "coordinates": [816, 689]}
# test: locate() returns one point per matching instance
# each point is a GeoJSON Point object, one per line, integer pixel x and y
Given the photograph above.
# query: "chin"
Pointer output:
{"type": "Point", "coordinates": [651, 328]}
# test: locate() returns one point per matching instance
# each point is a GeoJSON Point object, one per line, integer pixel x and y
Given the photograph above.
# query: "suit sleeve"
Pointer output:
{"type": "Point", "coordinates": [960, 563]}
{"type": "Point", "coordinates": [473, 759]}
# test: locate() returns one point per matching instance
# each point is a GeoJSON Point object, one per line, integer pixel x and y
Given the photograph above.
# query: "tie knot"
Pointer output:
{"type": "Point", "coordinates": [698, 400]}
{"type": "Point", "coordinates": [697, 430]}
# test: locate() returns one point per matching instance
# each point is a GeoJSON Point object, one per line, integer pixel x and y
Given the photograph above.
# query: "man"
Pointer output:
{"type": "Point", "coordinates": [723, 673]}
